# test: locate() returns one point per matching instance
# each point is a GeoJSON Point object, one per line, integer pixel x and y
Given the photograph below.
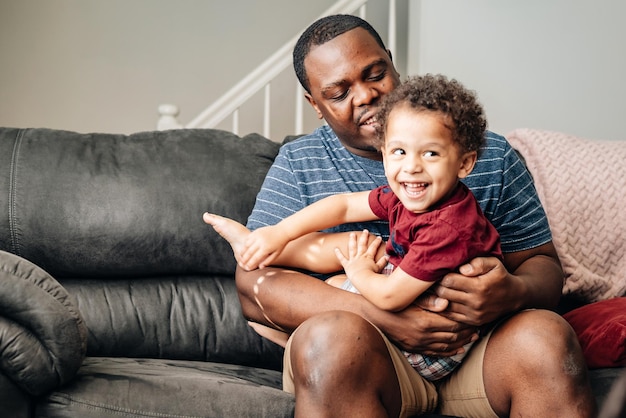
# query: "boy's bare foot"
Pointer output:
{"type": "Point", "coordinates": [232, 231]}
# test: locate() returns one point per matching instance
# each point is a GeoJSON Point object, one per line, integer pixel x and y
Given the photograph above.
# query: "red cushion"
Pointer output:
{"type": "Point", "coordinates": [601, 329]}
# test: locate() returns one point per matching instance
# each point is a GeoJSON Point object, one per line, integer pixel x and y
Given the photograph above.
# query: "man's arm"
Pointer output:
{"type": "Point", "coordinates": [284, 299]}
{"type": "Point", "coordinates": [485, 290]}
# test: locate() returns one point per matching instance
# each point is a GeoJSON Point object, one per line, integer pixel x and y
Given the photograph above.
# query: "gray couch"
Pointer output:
{"type": "Point", "coordinates": [115, 298]}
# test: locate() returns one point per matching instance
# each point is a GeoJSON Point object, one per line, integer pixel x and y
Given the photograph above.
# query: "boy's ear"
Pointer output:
{"type": "Point", "coordinates": [384, 156]}
{"type": "Point", "coordinates": [313, 103]}
{"type": "Point", "coordinates": [468, 161]}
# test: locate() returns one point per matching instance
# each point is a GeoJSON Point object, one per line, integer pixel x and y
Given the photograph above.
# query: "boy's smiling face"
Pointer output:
{"type": "Point", "coordinates": [422, 161]}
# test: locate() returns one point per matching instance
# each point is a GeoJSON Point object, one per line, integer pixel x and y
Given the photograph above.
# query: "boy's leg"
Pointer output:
{"type": "Point", "coordinates": [229, 229]}
{"type": "Point", "coordinates": [337, 280]}
{"type": "Point", "coordinates": [313, 252]}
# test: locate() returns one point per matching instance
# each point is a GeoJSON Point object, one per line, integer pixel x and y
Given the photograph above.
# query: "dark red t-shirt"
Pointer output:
{"type": "Point", "coordinates": [429, 245]}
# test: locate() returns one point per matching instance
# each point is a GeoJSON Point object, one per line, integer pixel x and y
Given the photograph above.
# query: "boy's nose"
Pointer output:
{"type": "Point", "coordinates": [412, 164]}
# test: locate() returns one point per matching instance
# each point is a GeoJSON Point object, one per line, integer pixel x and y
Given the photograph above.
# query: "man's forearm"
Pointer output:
{"type": "Point", "coordinates": [284, 299]}
{"type": "Point", "coordinates": [543, 279]}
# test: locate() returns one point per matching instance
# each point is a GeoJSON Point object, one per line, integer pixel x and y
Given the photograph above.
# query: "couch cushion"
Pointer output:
{"type": "Point", "coordinates": [166, 388]}
{"type": "Point", "coordinates": [108, 205]}
{"type": "Point", "coordinates": [184, 318]}
{"type": "Point", "coordinates": [601, 330]}
{"type": "Point", "coordinates": [580, 183]}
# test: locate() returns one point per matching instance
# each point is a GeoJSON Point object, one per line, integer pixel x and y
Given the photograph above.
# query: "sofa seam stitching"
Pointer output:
{"type": "Point", "coordinates": [12, 194]}
{"type": "Point", "coordinates": [114, 409]}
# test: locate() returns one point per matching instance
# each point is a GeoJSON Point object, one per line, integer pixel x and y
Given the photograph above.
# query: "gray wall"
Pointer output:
{"type": "Point", "coordinates": [106, 65]}
{"type": "Point", "coordinates": [94, 65]}
{"type": "Point", "coordinates": [549, 64]}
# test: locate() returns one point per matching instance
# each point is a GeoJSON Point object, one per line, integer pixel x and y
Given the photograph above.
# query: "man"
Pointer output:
{"type": "Point", "coordinates": [340, 360]}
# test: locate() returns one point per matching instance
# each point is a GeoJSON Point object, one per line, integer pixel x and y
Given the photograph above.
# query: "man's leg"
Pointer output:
{"type": "Point", "coordinates": [533, 366]}
{"type": "Point", "coordinates": [340, 365]}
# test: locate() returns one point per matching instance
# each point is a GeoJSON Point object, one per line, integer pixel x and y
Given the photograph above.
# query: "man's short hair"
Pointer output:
{"type": "Point", "coordinates": [321, 31]}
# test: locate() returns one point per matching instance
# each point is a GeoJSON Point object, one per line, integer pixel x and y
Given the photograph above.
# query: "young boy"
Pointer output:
{"type": "Point", "coordinates": [430, 129]}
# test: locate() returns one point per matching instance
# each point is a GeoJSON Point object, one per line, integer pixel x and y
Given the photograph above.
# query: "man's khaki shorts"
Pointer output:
{"type": "Point", "coordinates": [460, 394]}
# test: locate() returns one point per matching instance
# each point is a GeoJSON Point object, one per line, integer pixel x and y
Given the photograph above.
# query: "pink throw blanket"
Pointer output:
{"type": "Point", "coordinates": [582, 186]}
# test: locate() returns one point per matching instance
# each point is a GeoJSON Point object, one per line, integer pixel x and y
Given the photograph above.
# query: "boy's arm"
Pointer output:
{"type": "Point", "coordinates": [391, 293]}
{"type": "Point", "coordinates": [264, 244]}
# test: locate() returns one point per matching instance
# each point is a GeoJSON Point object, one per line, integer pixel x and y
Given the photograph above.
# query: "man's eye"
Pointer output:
{"type": "Point", "coordinates": [339, 95]}
{"type": "Point", "coordinates": [377, 76]}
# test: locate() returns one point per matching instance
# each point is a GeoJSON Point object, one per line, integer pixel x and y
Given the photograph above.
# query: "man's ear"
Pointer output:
{"type": "Point", "coordinates": [468, 161]}
{"type": "Point", "coordinates": [392, 63]}
{"type": "Point", "coordinates": [313, 103]}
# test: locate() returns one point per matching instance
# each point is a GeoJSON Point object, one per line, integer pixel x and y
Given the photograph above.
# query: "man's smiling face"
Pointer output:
{"type": "Point", "coordinates": [348, 76]}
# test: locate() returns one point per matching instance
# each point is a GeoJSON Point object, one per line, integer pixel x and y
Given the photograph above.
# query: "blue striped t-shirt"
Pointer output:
{"type": "Point", "coordinates": [318, 165]}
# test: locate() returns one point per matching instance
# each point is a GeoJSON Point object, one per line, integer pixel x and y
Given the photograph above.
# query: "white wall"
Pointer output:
{"type": "Point", "coordinates": [550, 64]}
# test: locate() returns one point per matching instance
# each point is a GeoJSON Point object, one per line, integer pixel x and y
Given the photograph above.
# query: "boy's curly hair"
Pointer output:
{"type": "Point", "coordinates": [462, 112]}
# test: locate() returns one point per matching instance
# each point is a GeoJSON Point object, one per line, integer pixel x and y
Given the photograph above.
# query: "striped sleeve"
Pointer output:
{"type": "Point", "coordinates": [506, 193]}
{"type": "Point", "coordinates": [279, 196]}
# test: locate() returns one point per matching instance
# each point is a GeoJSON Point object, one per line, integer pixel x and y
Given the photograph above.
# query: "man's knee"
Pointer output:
{"type": "Point", "coordinates": [334, 341]}
{"type": "Point", "coordinates": [340, 352]}
{"type": "Point", "coordinates": [538, 341]}
{"type": "Point", "coordinates": [528, 356]}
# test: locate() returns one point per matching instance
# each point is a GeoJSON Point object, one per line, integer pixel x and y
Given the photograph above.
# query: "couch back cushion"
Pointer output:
{"type": "Point", "coordinates": [108, 205]}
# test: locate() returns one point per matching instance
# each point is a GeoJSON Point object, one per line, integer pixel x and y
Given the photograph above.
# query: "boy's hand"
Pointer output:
{"type": "Point", "coordinates": [361, 256]}
{"type": "Point", "coordinates": [262, 247]}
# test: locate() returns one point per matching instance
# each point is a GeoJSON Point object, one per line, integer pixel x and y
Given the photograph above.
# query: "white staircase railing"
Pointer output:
{"type": "Point", "coordinates": [230, 103]}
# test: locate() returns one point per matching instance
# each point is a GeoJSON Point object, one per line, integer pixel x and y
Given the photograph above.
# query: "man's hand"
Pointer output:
{"type": "Point", "coordinates": [426, 332]}
{"type": "Point", "coordinates": [485, 289]}
{"type": "Point", "coordinates": [481, 292]}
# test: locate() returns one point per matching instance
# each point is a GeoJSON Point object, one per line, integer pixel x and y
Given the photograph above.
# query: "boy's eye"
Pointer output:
{"type": "Point", "coordinates": [430, 154]}
{"type": "Point", "coordinates": [398, 151]}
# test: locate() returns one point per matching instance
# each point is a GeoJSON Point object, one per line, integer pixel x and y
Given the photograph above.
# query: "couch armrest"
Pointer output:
{"type": "Point", "coordinates": [43, 338]}
{"type": "Point", "coordinates": [14, 402]}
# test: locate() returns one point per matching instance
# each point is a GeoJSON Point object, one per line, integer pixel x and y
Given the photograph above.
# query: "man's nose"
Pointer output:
{"type": "Point", "coordinates": [364, 94]}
